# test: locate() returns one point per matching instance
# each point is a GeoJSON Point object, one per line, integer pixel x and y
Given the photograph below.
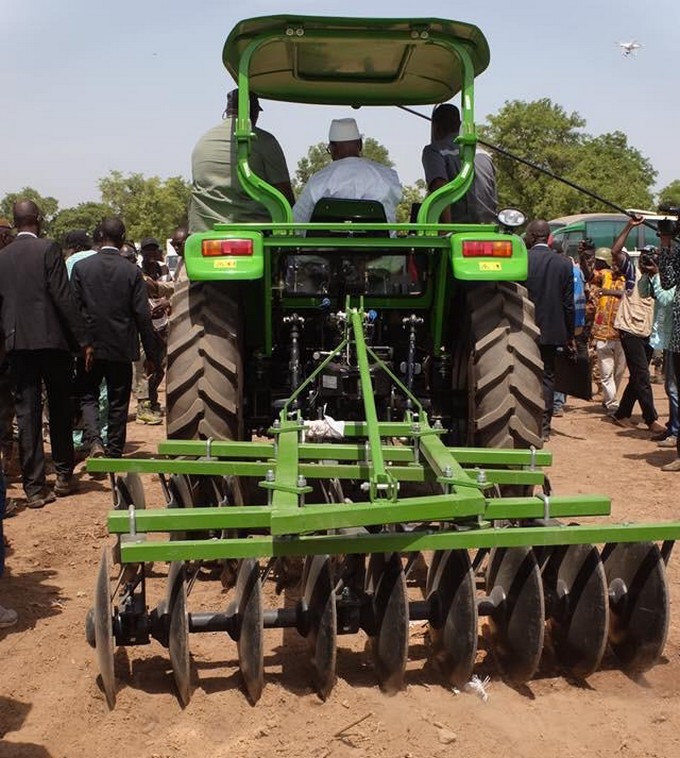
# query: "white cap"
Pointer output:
{"type": "Point", "coordinates": [343, 130]}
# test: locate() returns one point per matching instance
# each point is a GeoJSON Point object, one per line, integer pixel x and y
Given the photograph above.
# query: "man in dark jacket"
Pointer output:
{"type": "Point", "coordinates": [112, 296]}
{"type": "Point", "coordinates": [42, 327]}
{"type": "Point", "coordinates": [551, 289]}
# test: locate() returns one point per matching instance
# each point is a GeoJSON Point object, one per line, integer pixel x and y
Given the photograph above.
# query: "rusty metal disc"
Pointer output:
{"type": "Point", "coordinates": [103, 629]}
{"type": "Point", "coordinates": [250, 642]}
{"type": "Point", "coordinates": [318, 589]}
{"type": "Point", "coordinates": [453, 619]}
{"type": "Point", "coordinates": [178, 631]}
{"type": "Point", "coordinates": [386, 584]}
{"type": "Point", "coordinates": [638, 603]}
{"type": "Point", "coordinates": [577, 607]}
{"type": "Point", "coordinates": [517, 622]}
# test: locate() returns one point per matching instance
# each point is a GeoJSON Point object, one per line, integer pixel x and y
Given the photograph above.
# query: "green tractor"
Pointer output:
{"type": "Point", "coordinates": [364, 398]}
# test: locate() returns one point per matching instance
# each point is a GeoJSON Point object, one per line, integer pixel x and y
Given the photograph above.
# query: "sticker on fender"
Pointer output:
{"type": "Point", "coordinates": [224, 264]}
{"type": "Point", "coordinates": [490, 266]}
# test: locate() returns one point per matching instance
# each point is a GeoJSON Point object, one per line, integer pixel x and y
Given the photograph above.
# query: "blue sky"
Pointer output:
{"type": "Point", "coordinates": [89, 86]}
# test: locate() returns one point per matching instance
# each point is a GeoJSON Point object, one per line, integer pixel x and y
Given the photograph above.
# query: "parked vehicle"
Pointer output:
{"type": "Point", "coordinates": [602, 229]}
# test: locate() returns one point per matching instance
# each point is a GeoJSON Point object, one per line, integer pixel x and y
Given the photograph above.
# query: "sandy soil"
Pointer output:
{"type": "Point", "coordinates": [51, 703]}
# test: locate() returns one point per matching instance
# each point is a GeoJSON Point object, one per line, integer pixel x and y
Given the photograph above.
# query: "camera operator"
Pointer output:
{"type": "Point", "coordinates": [634, 321]}
{"type": "Point", "coordinates": [669, 272]}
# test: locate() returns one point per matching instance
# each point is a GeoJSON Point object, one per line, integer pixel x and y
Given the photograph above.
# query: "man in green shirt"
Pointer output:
{"type": "Point", "coordinates": [217, 196]}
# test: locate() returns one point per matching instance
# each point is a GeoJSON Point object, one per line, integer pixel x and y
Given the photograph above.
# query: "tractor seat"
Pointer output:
{"type": "Point", "coordinates": [337, 209]}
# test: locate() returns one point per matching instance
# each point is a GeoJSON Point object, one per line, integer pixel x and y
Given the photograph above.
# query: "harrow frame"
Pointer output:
{"type": "Point", "coordinates": [582, 591]}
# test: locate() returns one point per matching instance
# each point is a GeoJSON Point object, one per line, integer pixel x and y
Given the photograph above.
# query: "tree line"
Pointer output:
{"type": "Point", "coordinates": [541, 131]}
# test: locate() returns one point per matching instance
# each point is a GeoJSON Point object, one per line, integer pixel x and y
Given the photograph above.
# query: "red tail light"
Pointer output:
{"type": "Point", "coordinates": [487, 249]}
{"type": "Point", "coordinates": [212, 248]}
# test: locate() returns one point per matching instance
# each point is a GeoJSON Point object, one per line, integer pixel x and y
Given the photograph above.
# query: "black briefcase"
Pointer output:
{"type": "Point", "coordinates": [572, 372]}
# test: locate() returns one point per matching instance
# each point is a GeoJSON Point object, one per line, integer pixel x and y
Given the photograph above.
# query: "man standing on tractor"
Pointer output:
{"type": "Point", "coordinates": [441, 163]}
{"type": "Point", "coordinates": [217, 196]}
{"type": "Point", "coordinates": [350, 176]}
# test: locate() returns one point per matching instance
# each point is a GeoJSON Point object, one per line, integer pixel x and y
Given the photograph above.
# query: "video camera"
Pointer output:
{"type": "Point", "coordinates": [669, 227]}
{"type": "Point", "coordinates": [649, 256]}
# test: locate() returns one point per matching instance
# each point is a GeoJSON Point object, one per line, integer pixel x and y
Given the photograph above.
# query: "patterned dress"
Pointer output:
{"type": "Point", "coordinates": [669, 273]}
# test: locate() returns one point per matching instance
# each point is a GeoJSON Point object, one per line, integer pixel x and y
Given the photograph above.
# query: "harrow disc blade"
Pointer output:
{"type": "Point", "coordinates": [130, 491]}
{"type": "Point", "coordinates": [251, 627]}
{"type": "Point", "coordinates": [103, 629]}
{"type": "Point", "coordinates": [577, 607]}
{"type": "Point", "coordinates": [639, 603]}
{"type": "Point", "coordinates": [319, 597]}
{"type": "Point", "coordinates": [453, 627]}
{"type": "Point", "coordinates": [518, 621]}
{"type": "Point", "coordinates": [178, 631]}
{"type": "Point", "coordinates": [386, 582]}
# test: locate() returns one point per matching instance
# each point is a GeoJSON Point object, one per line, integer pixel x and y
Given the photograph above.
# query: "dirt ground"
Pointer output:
{"type": "Point", "coordinates": [51, 703]}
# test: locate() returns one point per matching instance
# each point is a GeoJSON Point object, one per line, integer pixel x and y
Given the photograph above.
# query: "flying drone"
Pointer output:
{"type": "Point", "coordinates": [629, 48]}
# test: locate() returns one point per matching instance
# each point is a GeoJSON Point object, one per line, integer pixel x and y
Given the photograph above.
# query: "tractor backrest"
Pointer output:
{"type": "Point", "coordinates": [336, 209]}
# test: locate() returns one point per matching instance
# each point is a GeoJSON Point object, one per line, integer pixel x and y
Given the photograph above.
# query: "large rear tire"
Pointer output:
{"type": "Point", "coordinates": [205, 362]}
{"type": "Point", "coordinates": [504, 368]}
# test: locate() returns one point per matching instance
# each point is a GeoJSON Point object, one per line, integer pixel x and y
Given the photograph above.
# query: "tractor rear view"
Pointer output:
{"type": "Point", "coordinates": [362, 401]}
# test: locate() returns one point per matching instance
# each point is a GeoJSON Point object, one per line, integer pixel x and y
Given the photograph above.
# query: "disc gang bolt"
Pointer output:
{"type": "Point", "coordinates": [301, 482]}
{"type": "Point", "coordinates": [270, 476]}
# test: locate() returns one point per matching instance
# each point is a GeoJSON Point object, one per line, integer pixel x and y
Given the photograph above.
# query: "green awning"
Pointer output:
{"type": "Point", "coordinates": [355, 61]}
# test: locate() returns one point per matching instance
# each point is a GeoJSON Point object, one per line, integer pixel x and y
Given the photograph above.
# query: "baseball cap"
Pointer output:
{"type": "Point", "coordinates": [77, 238]}
{"type": "Point", "coordinates": [149, 242]}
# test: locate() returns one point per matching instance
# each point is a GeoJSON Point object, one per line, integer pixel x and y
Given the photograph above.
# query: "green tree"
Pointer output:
{"type": "Point", "coordinates": [544, 133]}
{"type": "Point", "coordinates": [613, 169]}
{"type": "Point", "coordinates": [318, 157]}
{"type": "Point", "coordinates": [413, 193]}
{"type": "Point", "coordinates": [670, 194]}
{"type": "Point", "coordinates": [48, 205]}
{"type": "Point", "coordinates": [83, 216]}
{"type": "Point", "coordinates": [149, 206]}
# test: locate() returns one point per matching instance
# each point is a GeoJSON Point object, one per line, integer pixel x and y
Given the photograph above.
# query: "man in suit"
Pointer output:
{"type": "Point", "coordinates": [551, 289]}
{"type": "Point", "coordinates": [42, 328]}
{"type": "Point", "coordinates": [112, 295]}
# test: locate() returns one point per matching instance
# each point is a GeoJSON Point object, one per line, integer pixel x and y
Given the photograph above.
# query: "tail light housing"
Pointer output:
{"type": "Point", "coordinates": [234, 247]}
{"type": "Point", "coordinates": [487, 249]}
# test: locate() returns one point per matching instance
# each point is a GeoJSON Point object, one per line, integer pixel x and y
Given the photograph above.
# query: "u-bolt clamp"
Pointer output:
{"type": "Point", "coordinates": [546, 504]}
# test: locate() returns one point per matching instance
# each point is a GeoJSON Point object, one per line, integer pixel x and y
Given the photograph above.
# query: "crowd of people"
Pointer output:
{"type": "Point", "coordinates": [620, 312]}
{"type": "Point", "coordinates": [73, 321]}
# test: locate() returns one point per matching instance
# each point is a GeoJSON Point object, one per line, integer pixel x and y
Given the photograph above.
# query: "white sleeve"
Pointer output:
{"type": "Point", "coordinates": [304, 205]}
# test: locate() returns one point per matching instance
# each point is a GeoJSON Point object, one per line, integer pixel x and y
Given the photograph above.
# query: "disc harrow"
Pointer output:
{"type": "Point", "coordinates": [504, 572]}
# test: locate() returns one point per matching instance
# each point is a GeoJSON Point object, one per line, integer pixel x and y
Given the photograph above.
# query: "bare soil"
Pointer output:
{"type": "Point", "coordinates": [51, 703]}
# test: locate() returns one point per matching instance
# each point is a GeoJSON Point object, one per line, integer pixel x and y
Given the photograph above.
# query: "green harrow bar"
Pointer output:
{"type": "Point", "coordinates": [411, 496]}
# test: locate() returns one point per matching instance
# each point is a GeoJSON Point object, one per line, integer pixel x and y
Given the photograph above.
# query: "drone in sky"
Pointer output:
{"type": "Point", "coordinates": [629, 48]}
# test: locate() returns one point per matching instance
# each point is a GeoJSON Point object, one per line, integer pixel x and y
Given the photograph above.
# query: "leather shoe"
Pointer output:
{"type": "Point", "coordinates": [64, 485]}
{"type": "Point", "coordinates": [97, 451]}
{"type": "Point", "coordinates": [8, 617]}
{"type": "Point", "coordinates": [656, 428]}
{"type": "Point", "coordinates": [41, 499]}
{"type": "Point", "coordinates": [625, 423]}
{"type": "Point", "coordinates": [672, 466]}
